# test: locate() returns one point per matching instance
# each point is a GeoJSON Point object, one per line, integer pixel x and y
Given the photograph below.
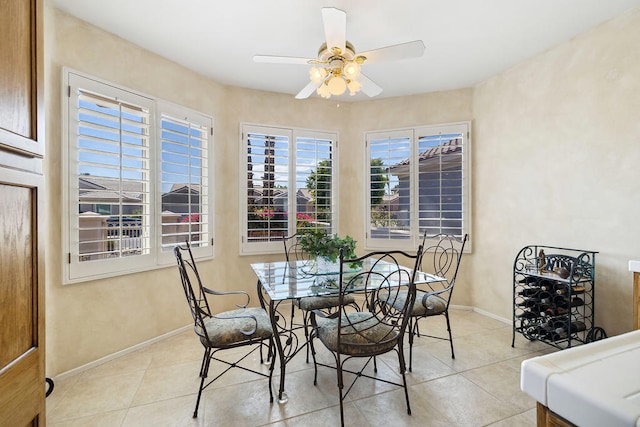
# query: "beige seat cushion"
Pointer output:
{"type": "Point", "coordinates": [323, 302]}
{"type": "Point", "coordinates": [224, 330]}
{"type": "Point", "coordinates": [362, 334]}
{"type": "Point", "coordinates": [435, 303]}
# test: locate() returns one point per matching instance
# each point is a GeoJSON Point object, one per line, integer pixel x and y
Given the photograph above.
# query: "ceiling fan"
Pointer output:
{"type": "Point", "coordinates": [337, 67]}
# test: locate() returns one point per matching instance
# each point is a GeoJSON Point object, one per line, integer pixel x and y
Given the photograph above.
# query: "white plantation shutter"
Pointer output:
{"type": "Point", "coordinates": [389, 189]}
{"type": "Point", "coordinates": [441, 183]}
{"type": "Point", "coordinates": [426, 170]}
{"type": "Point", "coordinates": [289, 187]}
{"type": "Point", "coordinates": [109, 179]}
{"type": "Point", "coordinates": [127, 158]}
{"type": "Point", "coordinates": [267, 186]}
{"type": "Point", "coordinates": [315, 181]}
{"type": "Point", "coordinates": [184, 183]}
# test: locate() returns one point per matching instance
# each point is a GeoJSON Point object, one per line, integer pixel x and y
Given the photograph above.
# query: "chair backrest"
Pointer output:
{"type": "Point", "coordinates": [293, 249]}
{"type": "Point", "coordinates": [443, 257]}
{"type": "Point", "coordinates": [196, 299]}
{"type": "Point", "coordinates": [380, 272]}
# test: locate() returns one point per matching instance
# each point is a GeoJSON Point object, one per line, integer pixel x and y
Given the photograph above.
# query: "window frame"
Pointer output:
{"type": "Point", "coordinates": [275, 247]}
{"type": "Point", "coordinates": [76, 271]}
{"type": "Point", "coordinates": [413, 133]}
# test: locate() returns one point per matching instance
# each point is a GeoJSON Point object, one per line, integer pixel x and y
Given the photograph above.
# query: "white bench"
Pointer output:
{"type": "Point", "coordinates": [596, 384]}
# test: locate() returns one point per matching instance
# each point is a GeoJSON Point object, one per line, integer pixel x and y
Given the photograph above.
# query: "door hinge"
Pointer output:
{"type": "Point", "coordinates": [69, 91]}
{"type": "Point", "coordinates": [69, 258]}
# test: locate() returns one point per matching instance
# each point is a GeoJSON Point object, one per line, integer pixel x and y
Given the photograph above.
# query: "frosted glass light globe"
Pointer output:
{"type": "Point", "coordinates": [337, 85]}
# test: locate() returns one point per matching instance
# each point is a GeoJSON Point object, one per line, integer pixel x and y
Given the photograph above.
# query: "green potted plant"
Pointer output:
{"type": "Point", "coordinates": [320, 244]}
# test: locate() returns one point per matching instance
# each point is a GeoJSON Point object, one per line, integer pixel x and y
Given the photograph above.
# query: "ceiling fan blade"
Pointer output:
{"type": "Point", "coordinates": [281, 59]}
{"type": "Point", "coordinates": [369, 87]}
{"type": "Point", "coordinates": [335, 27]}
{"type": "Point", "coordinates": [307, 90]}
{"type": "Point", "coordinates": [412, 49]}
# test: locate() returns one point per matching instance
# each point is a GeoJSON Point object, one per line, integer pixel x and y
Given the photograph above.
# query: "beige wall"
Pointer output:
{"type": "Point", "coordinates": [537, 137]}
{"type": "Point", "coordinates": [92, 320]}
{"type": "Point", "coordinates": [556, 162]}
{"type": "Point", "coordinates": [393, 113]}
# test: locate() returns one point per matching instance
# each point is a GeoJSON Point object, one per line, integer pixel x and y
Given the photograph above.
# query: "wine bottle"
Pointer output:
{"type": "Point", "coordinates": [527, 280]}
{"type": "Point", "coordinates": [560, 301]}
{"type": "Point", "coordinates": [545, 332]}
{"type": "Point", "coordinates": [527, 314]}
{"type": "Point", "coordinates": [529, 292]}
{"type": "Point", "coordinates": [557, 311]}
{"type": "Point", "coordinates": [545, 297]}
{"type": "Point", "coordinates": [576, 326]}
{"type": "Point", "coordinates": [576, 302]}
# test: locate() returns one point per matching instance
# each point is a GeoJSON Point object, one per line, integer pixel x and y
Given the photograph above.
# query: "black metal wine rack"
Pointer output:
{"type": "Point", "coordinates": [554, 296]}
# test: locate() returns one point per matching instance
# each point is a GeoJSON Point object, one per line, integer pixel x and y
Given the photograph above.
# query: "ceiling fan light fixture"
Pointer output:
{"type": "Point", "coordinates": [351, 70]}
{"type": "Point", "coordinates": [317, 74]}
{"type": "Point", "coordinates": [354, 87]}
{"type": "Point", "coordinates": [337, 85]}
{"type": "Point", "coordinates": [323, 91]}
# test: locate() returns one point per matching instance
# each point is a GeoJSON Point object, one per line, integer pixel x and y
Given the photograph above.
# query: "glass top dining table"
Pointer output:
{"type": "Point", "coordinates": [304, 278]}
{"type": "Point", "coordinates": [292, 280]}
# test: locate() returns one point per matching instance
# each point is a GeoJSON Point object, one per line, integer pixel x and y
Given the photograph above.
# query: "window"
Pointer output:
{"type": "Point", "coordinates": [135, 185]}
{"type": "Point", "coordinates": [290, 185]}
{"type": "Point", "coordinates": [419, 182]}
{"type": "Point", "coordinates": [184, 180]}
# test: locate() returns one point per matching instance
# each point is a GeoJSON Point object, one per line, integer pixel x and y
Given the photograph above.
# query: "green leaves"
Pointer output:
{"type": "Point", "coordinates": [318, 243]}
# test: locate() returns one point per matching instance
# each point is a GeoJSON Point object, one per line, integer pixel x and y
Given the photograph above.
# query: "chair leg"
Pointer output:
{"type": "Point", "coordinates": [313, 355]}
{"type": "Point", "coordinates": [305, 320]}
{"type": "Point", "coordinates": [403, 368]}
{"type": "Point", "coordinates": [341, 410]}
{"type": "Point", "coordinates": [413, 327]}
{"type": "Point", "coordinates": [270, 351]}
{"type": "Point", "coordinates": [446, 315]}
{"type": "Point", "coordinates": [204, 371]}
{"type": "Point", "coordinates": [340, 387]}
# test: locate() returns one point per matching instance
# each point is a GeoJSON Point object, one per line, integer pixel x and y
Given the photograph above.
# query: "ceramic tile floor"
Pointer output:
{"type": "Point", "coordinates": [157, 386]}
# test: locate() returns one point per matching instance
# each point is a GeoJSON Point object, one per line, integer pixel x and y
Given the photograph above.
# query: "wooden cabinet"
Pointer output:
{"type": "Point", "coordinates": [21, 70]}
{"type": "Point", "coordinates": [22, 369]}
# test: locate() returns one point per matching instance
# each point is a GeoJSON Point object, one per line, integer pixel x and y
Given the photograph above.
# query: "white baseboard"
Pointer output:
{"type": "Point", "coordinates": [493, 316]}
{"type": "Point", "coordinates": [120, 353]}
{"type": "Point", "coordinates": [461, 307]}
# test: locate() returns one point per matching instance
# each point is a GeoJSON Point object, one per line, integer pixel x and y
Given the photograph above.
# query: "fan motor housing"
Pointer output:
{"type": "Point", "coordinates": [327, 55]}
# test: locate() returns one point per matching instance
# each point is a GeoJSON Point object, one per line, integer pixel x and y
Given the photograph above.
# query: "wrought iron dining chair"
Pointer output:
{"type": "Point", "coordinates": [441, 258]}
{"type": "Point", "coordinates": [374, 329]}
{"type": "Point", "coordinates": [293, 252]}
{"type": "Point", "coordinates": [245, 326]}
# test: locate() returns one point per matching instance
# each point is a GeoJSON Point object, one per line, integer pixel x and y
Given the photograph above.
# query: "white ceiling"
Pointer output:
{"type": "Point", "coordinates": [467, 41]}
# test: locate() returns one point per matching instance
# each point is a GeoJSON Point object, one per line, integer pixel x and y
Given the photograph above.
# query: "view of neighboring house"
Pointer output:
{"type": "Point", "coordinates": [440, 189]}
{"type": "Point", "coordinates": [111, 215]}
{"type": "Point", "coordinates": [390, 203]}
{"type": "Point", "coordinates": [304, 201]}
{"type": "Point", "coordinates": [182, 198]}
{"type": "Point", "coordinates": [103, 196]}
